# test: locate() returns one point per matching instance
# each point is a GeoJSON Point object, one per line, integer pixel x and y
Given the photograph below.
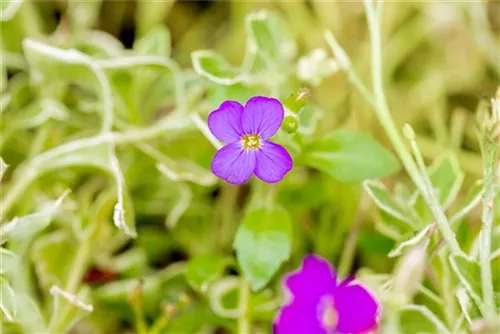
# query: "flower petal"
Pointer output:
{"type": "Point", "coordinates": [225, 122]}
{"type": "Point", "coordinates": [315, 279]}
{"type": "Point", "coordinates": [262, 116]}
{"type": "Point", "coordinates": [233, 163]}
{"type": "Point", "coordinates": [273, 162]}
{"type": "Point", "coordinates": [297, 318]}
{"type": "Point", "coordinates": [356, 308]}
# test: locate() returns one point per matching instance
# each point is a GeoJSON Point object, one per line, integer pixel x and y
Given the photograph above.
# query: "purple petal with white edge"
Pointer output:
{"type": "Point", "coordinates": [357, 309]}
{"type": "Point", "coordinates": [225, 122]}
{"type": "Point", "coordinates": [273, 162]}
{"type": "Point", "coordinates": [315, 279]}
{"type": "Point", "coordinates": [297, 318]}
{"type": "Point", "coordinates": [262, 116]}
{"type": "Point", "coordinates": [234, 164]}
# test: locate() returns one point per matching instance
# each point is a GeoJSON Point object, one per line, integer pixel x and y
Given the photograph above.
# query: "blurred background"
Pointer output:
{"type": "Point", "coordinates": [440, 59]}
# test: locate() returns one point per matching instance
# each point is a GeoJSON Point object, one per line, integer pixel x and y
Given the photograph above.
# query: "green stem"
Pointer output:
{"type": "Point", "coordinates": [391, 322]}
{"type": "Point", "coordinates": [490, 163]}
{"type": "Point", "coordinates": [384, 116]}
{"type": "Point", "coordinates": [244, 318]}
{"type": "Point", "coordinates": [227, 215]}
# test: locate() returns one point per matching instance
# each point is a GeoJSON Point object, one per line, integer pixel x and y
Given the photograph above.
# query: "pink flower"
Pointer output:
{"type": "Point", "coordinates": [318, 305]}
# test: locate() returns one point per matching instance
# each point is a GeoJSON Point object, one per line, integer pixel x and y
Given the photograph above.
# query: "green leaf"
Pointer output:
{"type": "Point", "coordinates": [204, 269]}
{"type": "Point", "coordinates": [22, 229]}
{"type": "Point", "coordinates": [385, 201]}
{"type": "Point", "coordinates": [469, 274]}
{"type": "Point", "coordinates": [269, 37]}
{"type": "Point", "coordinates": [446, 177]}
{"type": "Point", "coordinates": [53, 256]}
{"type": "Point", "coordinates": [9, 262]}
{"type": "Point", "coordinates": [263, 243]}
{"type": "Point", "coordinates": [472, 199]}
{"type": "Point", "coordinates": [350, 156]}
{"type": "Point", "coordinates": [400, 248]}
{"type": "Point", "coordinates": [69, 308]}
{"type": "Point", "coordinates": [155, 43]}
{"type": "Point", "coordinates": [131, 263]}
{"type": "Point", "coordinates": [88, 152]}
{"type": "Point", "coordinates": [9, 8]}
{"type": "Point", "coordinates": [29, 315]}
{"type": "Point", "coordinates": [49, 64]}
{"type": "Point", "coordinates": [420, 319]}
{"type": "Point", "coordinates": [215, 68]}
{"type": "Point", "coordinates": [123, 214]}
{"type": "Point", "coordinates": [3, 168]}
{"type": "Point", "coordinates": [39, 112]}
{"type": "Point", "coordinates": [8, 304]}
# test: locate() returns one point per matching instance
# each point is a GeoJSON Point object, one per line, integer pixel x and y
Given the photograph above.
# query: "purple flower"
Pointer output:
{"type": "Point", "coordinates": [318, 305]}
{"type": "Point", "coordinates": [246, 131]}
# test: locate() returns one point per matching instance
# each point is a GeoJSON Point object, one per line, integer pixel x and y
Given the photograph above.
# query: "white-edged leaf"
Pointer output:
{"type": "Point", "coordinates": [216, 293]}
{"type": "Point", "coordinates": [401, 247]}
{"type": "Point", "coordinates": [446, 177]}
{"type": "Point", "coordinates": [155, 43]}
{"type": "Point", "coordinates": [9, 262]}
{"type": "Point", "coordinates": [472, 199]}
{"type": "Point", "coordinates": [51, 64]}
{"type": "Point", "coordinates": [75, 300]}
{"type": "Point", "coordinates": [268, 36]}
{"type": "Point", "coordinates": [69, 308]}
{"type": "Point", "coordinates": [215, 68]}
{"type": "Point", "coordinates": [185, 197]}
{"type": "Point", "coordinates": [3, 168]}
{"type": "Point", "coordinates": [88, 152]}
{"type": "Point", "coordinates": [29, 315]}
{"type": "Point", "coordinates": [186, 171]}
{"type": "Point", "coordinates": [8, 304]}
{"type": "Point", "coordinates": [9, 8]}
{"type": "Point", "coordinates": [123, 214]}
{"type": "Point", "coordinates": [469, 274]}
{"type": "Point", "coordinates": [22, 229]}
{"type": "Point", "coordinates": [429, 315]}
{"type": "Point", "coordinates": [384, 200]}
{"type": "Point", "coordinates": [53, 255]}
{"type": "Point", "coordinates": [40, 112]}
{"type": "Point", "coordinates": [465, 303]}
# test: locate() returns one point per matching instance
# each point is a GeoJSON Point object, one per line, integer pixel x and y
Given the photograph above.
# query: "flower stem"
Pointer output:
{"type": "Point", "coordinates": [490, 162]}
{"type": "Point", "coordinates": [384, 116]}
{"type": "Point", "coordinates": [391, 322]}
{"type": "Point", "coordinates": [244, 318]}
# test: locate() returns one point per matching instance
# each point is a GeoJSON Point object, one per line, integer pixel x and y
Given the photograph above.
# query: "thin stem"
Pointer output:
{"type": "Point", "coordinates": [244, 318]}
{"type": "Point", "coordinates": [384, 116]}
{"type": "Point", "coordinates": [431, 199]}
{"type": "Point", "coordinates": [490, 153]}
{"type": "Point", "coordinates": [391, 322]}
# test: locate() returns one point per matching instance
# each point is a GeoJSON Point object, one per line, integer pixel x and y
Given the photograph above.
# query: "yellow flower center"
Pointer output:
{"type": "Point", "coordinates": [329, 319]}
{"type": "Point", "coordinates": [251, 141]}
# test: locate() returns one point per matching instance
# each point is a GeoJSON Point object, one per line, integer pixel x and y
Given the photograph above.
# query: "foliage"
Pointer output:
{"type": "Point", "coordinates": [112, 221]}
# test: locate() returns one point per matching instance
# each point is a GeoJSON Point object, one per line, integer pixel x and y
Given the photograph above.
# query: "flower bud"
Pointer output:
{"type": "Point", "coordinates": [297, 100]}
{"type": "Point", "coordinates": [290, 124]}
{"type": "Point", "coordinates": [410, 271]}
{"type": "Point", "coordinates": [488, 118]}
{"type": "Point", "coordinates": [315, 66]}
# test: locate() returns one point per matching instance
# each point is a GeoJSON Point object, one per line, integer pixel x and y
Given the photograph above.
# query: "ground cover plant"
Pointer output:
{"type": "Point", "coordinates": [249, 167]}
